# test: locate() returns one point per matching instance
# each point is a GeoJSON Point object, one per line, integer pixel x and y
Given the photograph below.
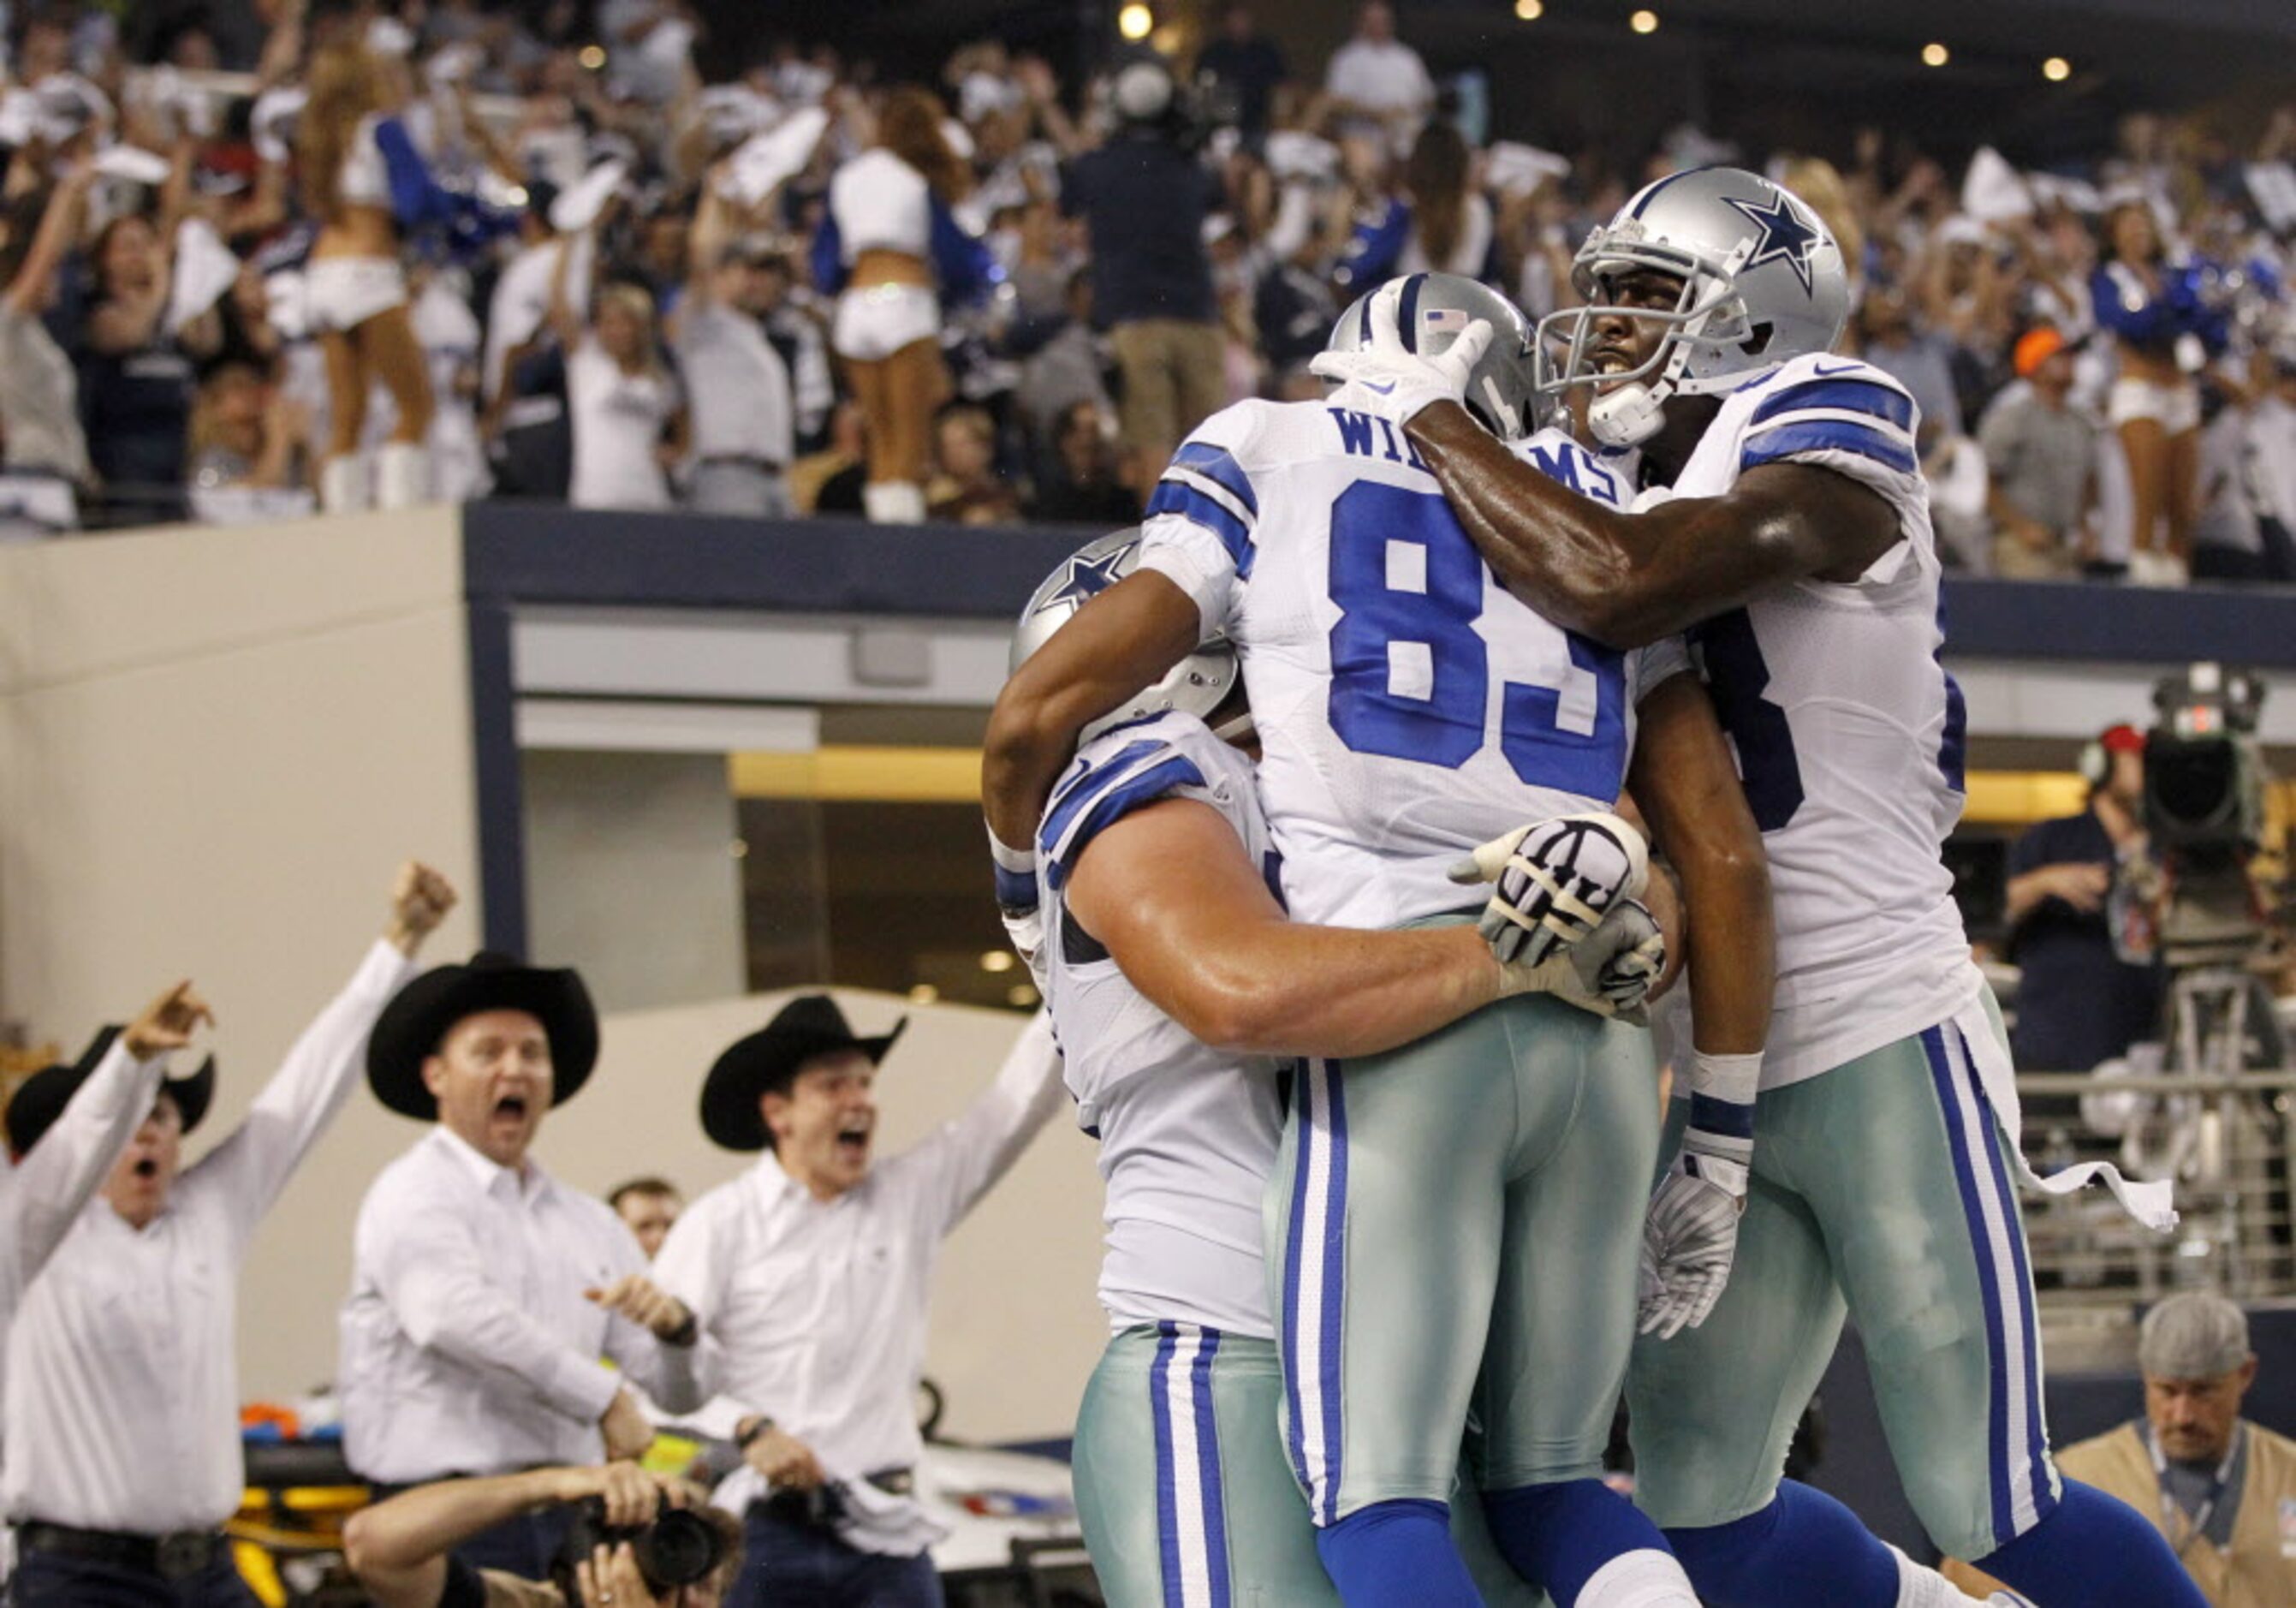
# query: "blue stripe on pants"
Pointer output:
{"type": "Point", "coordinates": [1167, 1500]}
{"type": "Point", "coordinates": [1191, 1502]}
{"type": "Point", "coordinates": [2035, 1434]}
{"type": "Point", "coordinates": [1315, 1266]}
{"type": "Point", "coordinates": [1208, 1466]}
{"type": "Point", "coordinates": [1958, 1141]}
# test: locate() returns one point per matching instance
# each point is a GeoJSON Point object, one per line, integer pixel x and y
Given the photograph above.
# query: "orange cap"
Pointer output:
{"type": "Point", "coordinates": [2035, 347]}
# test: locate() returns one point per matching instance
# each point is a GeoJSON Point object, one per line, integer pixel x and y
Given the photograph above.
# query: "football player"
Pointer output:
{"type": "Point", "coordinates": [1175, 981]}
{"type": "Point", "coordinates": [1884, 1155]}
{"type": "Point", "coordinates": [1474, 1199]}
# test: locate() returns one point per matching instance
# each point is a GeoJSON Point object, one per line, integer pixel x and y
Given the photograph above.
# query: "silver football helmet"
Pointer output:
{"type": "Point", "coordinates": [1196, 685]}
{"type": "Point", "coordinates": [1762, 282]}
{"type": "Point", "coordinates": [1503, 391]}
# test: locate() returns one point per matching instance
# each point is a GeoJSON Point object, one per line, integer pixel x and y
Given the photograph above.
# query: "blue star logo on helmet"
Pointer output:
{"type": "Point", "coordinates": [1087, 578]}
{"type": "Point", "coordinates": [1786, 235]}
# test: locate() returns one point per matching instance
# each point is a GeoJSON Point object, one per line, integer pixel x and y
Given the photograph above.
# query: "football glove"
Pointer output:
{"type": "Point", "coordinates": [1554, 882]}
{"type": "Point", "coordinates": [1690, 1234]}
{"type": "Point", "coordinates": [1399, 380]}
{"type": "Point", "coordinates": [1609, 972]}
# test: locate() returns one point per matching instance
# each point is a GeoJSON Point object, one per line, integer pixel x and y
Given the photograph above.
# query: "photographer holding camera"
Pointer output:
{"type": "Point", "coordinates": [635, 1539]}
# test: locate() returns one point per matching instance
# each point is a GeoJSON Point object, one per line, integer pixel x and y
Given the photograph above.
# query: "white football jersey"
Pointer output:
{"type": "Point", "coordinates": [1188, 1134]}
{"type": "Point", "coordinates": [1849, 732]}
{"type": "Point", "coordinates": [1409, 707]}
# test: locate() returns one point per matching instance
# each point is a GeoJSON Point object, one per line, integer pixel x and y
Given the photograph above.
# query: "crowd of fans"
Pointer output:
{"type": "Point", "coordinates": [258, 260]}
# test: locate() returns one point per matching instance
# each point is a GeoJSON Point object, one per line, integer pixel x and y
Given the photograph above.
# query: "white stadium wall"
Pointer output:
{"type": "Point", "coordinates": [216, 747]}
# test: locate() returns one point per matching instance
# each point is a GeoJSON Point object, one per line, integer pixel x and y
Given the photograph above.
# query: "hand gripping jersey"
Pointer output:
{"type": "Point", "coordinates": [1849, 732]}
{"type": "Point", "coordinates": [1188, 1134]}
{"type": "Point", "coordinates": [1409, 707]}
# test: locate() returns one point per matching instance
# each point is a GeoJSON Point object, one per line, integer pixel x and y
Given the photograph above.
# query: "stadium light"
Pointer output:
{"type": "Point", "coordinates": [2056, 69]}
{"type": "Point", "coordinates": [1643, 22]}
{"type": "Point", "coordinates": [1136, 21]}
{"type": "Point", "coordinates": [1934, 54]}
{"type": "Point", "coordinates": [997, 960]}
{"type": "Point", "coordinates": [1530, 11]}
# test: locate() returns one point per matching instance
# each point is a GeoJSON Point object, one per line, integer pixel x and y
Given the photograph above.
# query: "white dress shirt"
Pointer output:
{"type": "Point", "coordinates": [468, 1347]}
{"type": "Point", "coordinates": [817, 1308]}
{"type": "Point", "coordinates": [42, 1196]}
{"type": "Point", "coordinates": [1382, 77]}
{"type": "Point", "coordinates": [123, 1373]}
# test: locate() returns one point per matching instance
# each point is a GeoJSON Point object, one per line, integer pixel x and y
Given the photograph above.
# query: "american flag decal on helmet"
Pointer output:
{"type": "Point", "coordinates": [1443, 321]}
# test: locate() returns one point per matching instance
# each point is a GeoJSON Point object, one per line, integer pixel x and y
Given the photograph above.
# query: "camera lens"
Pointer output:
{"type": "Point", "coordinates": [679, 1548]}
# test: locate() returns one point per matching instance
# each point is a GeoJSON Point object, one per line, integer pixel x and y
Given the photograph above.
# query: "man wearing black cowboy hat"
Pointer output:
{"type": "Point", "coordinates": [486, 1295]}
{"type": "Point", "coordinates": [830, 1437]}
{"type": "Point", "coordinates": [67, 1125]}
{"type": "Point", "coordinates": [123, 1389]}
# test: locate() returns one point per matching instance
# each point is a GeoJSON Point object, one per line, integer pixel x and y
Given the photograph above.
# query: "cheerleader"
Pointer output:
{"type": "Point", "coordinates": [363, 183]}
{"type": "Point", "coordinates": [891, 245]}
{"type": "Point", "coordinates": [2164, 331]}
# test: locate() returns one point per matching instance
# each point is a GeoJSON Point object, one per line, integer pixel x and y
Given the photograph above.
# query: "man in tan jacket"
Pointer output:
{"type": "Point", "coordinates": [2222, 1489]}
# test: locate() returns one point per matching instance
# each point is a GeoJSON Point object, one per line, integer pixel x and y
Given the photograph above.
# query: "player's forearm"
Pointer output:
{"type": "Point", "coordinates": [1032, 732]}
{"type": "Point", "coordinates": [1733, 949]}
{"type": "Point", "coordinates": [1121, 641]}
{"type": "Point", "coordinates": [1566, 556]}
{"type": "Point", "coordinates": [1285, 990]}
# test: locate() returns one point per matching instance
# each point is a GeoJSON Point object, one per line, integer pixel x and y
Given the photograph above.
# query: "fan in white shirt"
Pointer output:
{"type": "Point", "coordinates": [742, 435]}
{"type": "Point", "coordinates": [67, 1125]}
{"type": "Point", "coordinates": [812, 1272]}
{"type": "Point", "coordinates": [487, 1297]}
{"type": "Point", "coordinates": [1375, 79]}
{"type": "Point", "coordinates": [123, 1388]}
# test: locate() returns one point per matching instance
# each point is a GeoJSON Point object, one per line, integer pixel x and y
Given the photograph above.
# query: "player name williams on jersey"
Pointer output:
{"type": "Point", "coordinates": [1408, 706]}
{"type": "Point", "coordinates": [1188, 1134]}
{"type": "Point", "coordinates": [1849, 732]}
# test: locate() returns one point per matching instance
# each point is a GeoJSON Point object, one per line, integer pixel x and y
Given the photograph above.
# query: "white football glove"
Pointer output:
{"type": "Point", "coordinates": [1610, 972]}
{"type": "Point", "coordinates": [1690, 1239]}
{"type": "Point", "coordinates": [1400, 380]}
{"type": "Point", "coordinates": [1555, 881]}
{"type": "Point", "coordinates": [1690, 1234]}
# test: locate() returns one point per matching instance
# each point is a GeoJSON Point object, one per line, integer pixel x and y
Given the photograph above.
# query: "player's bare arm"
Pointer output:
{"type": "Point", "coordinates": [1170, 893]}
{"type": "Point", "coordinates": [1688, 790]}
{"type": "Point", "coordinates": [1119, 642]}
{"type": "Point", "coordinates": [1627, 579]}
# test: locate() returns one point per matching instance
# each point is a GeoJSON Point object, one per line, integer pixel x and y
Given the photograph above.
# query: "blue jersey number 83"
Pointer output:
{"type": "Point", "coordinates": [1409, 588]}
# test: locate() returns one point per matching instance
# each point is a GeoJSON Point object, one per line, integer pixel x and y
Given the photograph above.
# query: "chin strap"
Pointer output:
{"type": "Point", "coordinates": [1629, 415]}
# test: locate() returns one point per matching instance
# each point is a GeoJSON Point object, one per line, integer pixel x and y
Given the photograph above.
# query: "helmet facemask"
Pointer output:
{"type": "Point", "coordinates": [1704, 350]}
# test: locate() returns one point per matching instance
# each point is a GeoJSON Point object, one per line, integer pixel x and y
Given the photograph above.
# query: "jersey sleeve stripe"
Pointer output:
{"type": "Point", "coordinates": [1218, 464]}
{"type": "Point", "coordinates": [1830, 435]}
{"type": "Point", "coordinates": [1839, 416]}
{"type": "Point", "coordinates": [1112, 802]}
{"type": "Point", "coordinates": [1186, 499]}
{"type": "Point", "coordinates": [1195, 479]}
{"type": "Point", "coordinates": [1858, 396]}
{"type": "Point", "coordinates": [1074, 790]}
